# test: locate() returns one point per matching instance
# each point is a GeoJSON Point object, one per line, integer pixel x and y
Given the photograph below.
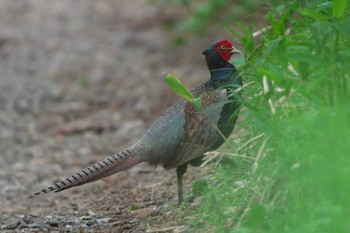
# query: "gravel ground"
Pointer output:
{"type": "Point", "coordinates": [81, 80]}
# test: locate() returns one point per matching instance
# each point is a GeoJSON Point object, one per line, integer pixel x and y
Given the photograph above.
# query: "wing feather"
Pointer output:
{"type": "Point", "coordinates": [200, 128]}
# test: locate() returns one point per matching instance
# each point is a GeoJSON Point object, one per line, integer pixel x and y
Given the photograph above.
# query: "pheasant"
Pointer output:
{"type": "Point", "coordinates": [182, 134]}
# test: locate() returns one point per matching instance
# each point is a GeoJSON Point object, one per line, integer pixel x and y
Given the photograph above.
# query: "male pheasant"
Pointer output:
{"type": "Point", "coordinates": [182, 134]}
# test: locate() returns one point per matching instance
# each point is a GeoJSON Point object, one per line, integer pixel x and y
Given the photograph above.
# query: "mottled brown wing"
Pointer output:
{"type": "Point", "coordinates": [200, 129]}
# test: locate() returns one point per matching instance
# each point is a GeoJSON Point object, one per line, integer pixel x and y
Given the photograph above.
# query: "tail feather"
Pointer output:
{"type": "Point", "coordinates": [113, 164]}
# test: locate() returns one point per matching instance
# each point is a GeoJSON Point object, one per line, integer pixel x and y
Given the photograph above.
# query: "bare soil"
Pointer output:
{"type": "Point", "coordinates": [81, 80]}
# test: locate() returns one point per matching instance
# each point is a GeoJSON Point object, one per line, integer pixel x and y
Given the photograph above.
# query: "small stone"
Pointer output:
{"type": "Point", "coordinates": [82, 218]}
{"type": "Point", "coordinates": [79, 229]}
{"type": "Point", "coordinates": [118, 223]}
{"type": "Point", "coordinates": [116, 210]}
{"type": "Point", "coordinates": [43, 228]}
{"type": "Point", "coordinates": [133, 222]}
{"type": "Point", "coordinates": [73, 221]}
{"type": "Point", "coordinates": [103, 220]}
{"type": "Point", "coordinates": [23, 225]}
{"type": "Point", "coordinates": [33, 225]}
{"type": "Point", "coordinates": [90, 223]}
{"type": "Point", "coordinates": [52, 222]}
{"type": "Point", "coordinates": [145, 212]}
{"type": "Point", "coordinates": [61, 219]}
{"type": "Point", "coordinates": [27, 219]}
{"type": "Point", "coordinates": [12, 224]}
{"type": "Point", "coordinates": [33, 215]}
{"type": "Point", "coordinates": [90, 212]}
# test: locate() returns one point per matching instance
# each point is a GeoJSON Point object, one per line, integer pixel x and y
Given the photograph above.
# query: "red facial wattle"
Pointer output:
{"type": "Point", "coordinates": [224, 49]}
{"type": "Point", "coordinates": [225, 54]}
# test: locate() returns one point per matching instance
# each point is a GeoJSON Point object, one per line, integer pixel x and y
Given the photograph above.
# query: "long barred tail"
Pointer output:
{"type": "Point", "coordinates": [115, 163]}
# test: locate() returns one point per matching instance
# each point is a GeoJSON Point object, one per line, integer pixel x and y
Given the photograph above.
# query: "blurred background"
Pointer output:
{"type": "Point", "coordinates": [81, 80]}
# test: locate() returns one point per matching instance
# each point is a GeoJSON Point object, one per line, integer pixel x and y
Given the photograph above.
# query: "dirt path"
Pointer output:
{"type": "Point", "coordinates": [81, 80]}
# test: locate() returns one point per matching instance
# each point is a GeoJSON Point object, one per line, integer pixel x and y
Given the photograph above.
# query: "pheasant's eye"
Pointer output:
{"type": "Point", "coordinates": [222, 47]}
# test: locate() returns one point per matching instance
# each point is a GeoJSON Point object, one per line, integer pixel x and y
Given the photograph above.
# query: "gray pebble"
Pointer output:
{"type": "Point", "coordinates": [33, 225]}
{"type": "Point", "coordinates": [52, 222]}
{"type": "Point", "coordinates": [91, 223]}
{"type": "Point", "coordinates": [12, 224]}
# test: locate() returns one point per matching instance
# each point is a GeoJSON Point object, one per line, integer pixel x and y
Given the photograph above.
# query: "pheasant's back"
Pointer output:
{"type": "Point", "coordinates": [184, 133]}
{"type": "Point", "coordinates": [200, 129]}
{"type": "Point", "coordinates": [163, 138]}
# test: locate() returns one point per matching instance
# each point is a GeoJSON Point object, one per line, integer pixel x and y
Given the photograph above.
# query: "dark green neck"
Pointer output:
{"type": "Point", "coordinates": [225, 78]}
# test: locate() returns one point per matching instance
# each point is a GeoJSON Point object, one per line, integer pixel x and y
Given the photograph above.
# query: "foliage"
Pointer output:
{"type": "Point", "coordinates": [292, 164]}
{"type": "Point", "coordinates": [181, 90]}
{"type": "Point", "coordinates": [209, 15]}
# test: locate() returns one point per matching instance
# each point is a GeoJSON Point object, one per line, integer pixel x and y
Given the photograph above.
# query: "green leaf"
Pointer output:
{"type": "Point", "coordinates": [313, 14]}
{"type": "Point", "coordinates": [272, 72]}
{"type": "Point", "coordinates": [344, 27]}
{"type": "Point", "coordinates": [257, 218]}
{"type": "Point", "coordinates": [308, 58]}
{"type": "Point", "coordinates": [257, 52]}
{"type": "Point", "coordinates": [273, 24]}
{"type": "Point", "coordinates": [339, 7]}
{"type": "Point", "coordinates": [199, 187]}
{"type": "Point", "coordinates": [179, 88]}
{"type": "Point", "coordinates": [198, 103]}
{"type": "Point", "coordinates": [134, 207]}
{"type": "Point", "coordinates": [242, 39]}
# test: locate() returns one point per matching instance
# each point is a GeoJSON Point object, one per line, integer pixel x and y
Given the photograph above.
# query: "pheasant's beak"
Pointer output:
{"type": "Point", "coordinates": [235, 51]}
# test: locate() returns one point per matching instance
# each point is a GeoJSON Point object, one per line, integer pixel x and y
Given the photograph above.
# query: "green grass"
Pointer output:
{"type": "Point", "coordinates": [292, 165]}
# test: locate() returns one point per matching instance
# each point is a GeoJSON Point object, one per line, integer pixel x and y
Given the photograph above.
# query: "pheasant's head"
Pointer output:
{"type": "Point", "coordinates": [218, 54]}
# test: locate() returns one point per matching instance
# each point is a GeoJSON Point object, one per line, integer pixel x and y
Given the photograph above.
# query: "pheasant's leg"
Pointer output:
{"type": "Point", "coordinates": [180, 171]}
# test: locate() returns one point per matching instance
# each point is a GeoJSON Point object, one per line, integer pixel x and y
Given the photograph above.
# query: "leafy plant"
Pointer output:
{"type": "Point", "coordinates": [181, 90]}
{"type": "Point", "coordinates": [292, 164]}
